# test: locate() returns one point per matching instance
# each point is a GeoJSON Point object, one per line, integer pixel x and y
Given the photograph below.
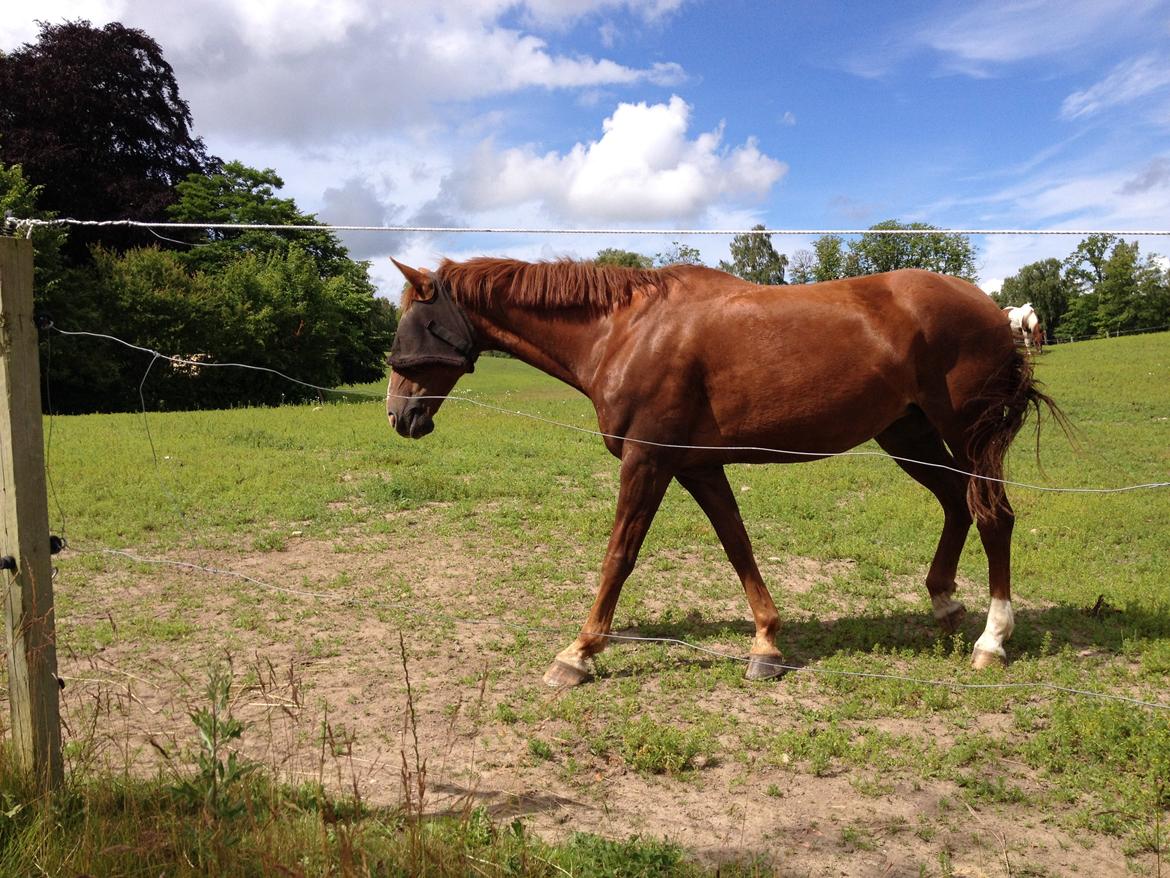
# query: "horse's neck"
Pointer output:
{"type": "Point", "coordinates": [563, 346]}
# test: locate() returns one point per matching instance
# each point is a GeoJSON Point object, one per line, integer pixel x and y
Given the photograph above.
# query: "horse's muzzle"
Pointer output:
{"type": "Point", "coordinates": [414, 422]}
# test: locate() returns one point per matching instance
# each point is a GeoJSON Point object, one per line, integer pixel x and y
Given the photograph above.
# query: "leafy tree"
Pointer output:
{"type": "Point", "coordinates": [271, 310]}
{"type": "Point", "coordinates": [1044, 285]}
{"type": "Point", "coordinates": [755, 259]}
{"type": "Point", "coordinates": [1080, 320]}
{"type": "Point", "coordinates": [944, 253]}
{"type": "Point", "coordinates": [145, 296]}
{"type": "Point", "coordinates": [1116, 292]}
{"type": "Point", "coordinates": [678, 254]}
{"type": "Point", "coordinates": [94, 116]}
{"type": "Point", "coordinates": [236, 193]}
{"type": "Point", "coordinates": [803, 267]}
{"type": "Point", "coordinates": [830, 258]}
{"type": "Point", "coordinates": [826, 261]}
{"type": "Point", "coordinates": [1152, 296]}
{"type": "Point", "coordinates": [20, 199]}
{"type": "Point", "coordinates": [1113, 288]}
{"type": "Point", "coordinates": [1085, 266]}
{"type": "Point", "coordinates": [627, 258]}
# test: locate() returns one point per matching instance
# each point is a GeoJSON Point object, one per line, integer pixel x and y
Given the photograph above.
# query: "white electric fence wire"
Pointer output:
{"type": "Point", "coordinates": [29, 224]}
{"type": "Point", "coordinates": [633, 638]}
{"type": "Point", "coordinates": [617, 437]}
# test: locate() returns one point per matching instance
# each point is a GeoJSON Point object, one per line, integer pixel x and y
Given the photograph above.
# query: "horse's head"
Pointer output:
{"type": "Point", "coordinates": [1037, 335]}
{"type": "Point", "coordinates": [434, 346]}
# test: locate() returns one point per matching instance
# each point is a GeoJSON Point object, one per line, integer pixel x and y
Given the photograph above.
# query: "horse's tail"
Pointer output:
{"type": "Point", "coordinates": [1002, 410]}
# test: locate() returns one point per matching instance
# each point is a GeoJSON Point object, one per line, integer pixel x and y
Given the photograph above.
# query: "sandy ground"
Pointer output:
{"type": "Point", "coordinates": [136, 641]}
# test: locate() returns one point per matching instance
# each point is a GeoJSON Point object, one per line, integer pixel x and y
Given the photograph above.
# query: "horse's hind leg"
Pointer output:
{"type": "Point", "coordinates": [996, 533]}
{"type": "Point", "coordinates": [917, 448]}
{"type": "Point", "coordinates": [711, 491]}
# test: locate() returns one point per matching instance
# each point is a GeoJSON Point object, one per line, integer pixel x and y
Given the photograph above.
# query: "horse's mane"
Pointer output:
{"type": "Point", "coordinates": [564, 283]}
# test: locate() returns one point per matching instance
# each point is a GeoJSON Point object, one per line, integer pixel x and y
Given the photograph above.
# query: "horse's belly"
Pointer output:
{"type": "Point", "coordinates": [822, 416]}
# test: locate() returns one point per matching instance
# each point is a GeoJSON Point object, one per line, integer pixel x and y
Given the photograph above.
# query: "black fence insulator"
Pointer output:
{"type": "Point", "coordinates": [43, 321]}
{"type": "Point", "coordinates": [56, 544]}
{"type": "Point", "coordinates": [7, 562]}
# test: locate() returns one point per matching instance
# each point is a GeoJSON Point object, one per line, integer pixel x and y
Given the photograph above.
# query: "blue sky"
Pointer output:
{"type": "Point", "coordinates": [678, 113]}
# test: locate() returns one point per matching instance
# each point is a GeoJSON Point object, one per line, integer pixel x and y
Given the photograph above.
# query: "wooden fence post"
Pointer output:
{"type": "Point", "coordinates": [33, 686]}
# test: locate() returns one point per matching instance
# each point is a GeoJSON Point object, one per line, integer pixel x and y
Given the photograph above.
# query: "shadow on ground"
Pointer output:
{"type": "Point", "coordinates": [1104, 629]}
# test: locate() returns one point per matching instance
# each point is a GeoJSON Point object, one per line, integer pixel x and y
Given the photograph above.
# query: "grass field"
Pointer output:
{"type": "Point", "coordinates": [481, 544]}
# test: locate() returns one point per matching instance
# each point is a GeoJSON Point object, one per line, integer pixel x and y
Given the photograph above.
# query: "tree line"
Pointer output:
{"type": "Point", "coordinates": [1104, 287]}
{"type": "Point", "coordinates": [755, 259]}
{"type": "Point", "coordinates": [92, 126]}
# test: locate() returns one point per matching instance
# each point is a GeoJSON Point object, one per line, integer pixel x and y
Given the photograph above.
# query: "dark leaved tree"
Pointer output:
{"type": "Point", "coordinates": [94, 116]}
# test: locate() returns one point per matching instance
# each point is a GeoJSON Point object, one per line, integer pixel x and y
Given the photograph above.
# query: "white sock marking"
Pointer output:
{"type": "Point", "coordinates": [1000, 623]}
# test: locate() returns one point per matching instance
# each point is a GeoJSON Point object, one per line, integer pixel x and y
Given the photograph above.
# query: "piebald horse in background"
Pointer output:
{"type": "Point", "coordinates": [1025, 323]}
{"type": "Point", "coordinates": [690, 369]}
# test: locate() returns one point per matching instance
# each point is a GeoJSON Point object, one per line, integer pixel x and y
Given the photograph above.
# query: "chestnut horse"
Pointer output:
{"type": "Point", "coordinates": [690, 369]}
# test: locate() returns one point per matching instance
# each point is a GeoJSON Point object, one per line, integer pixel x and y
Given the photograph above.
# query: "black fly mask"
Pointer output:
{"type": "Point", "coordinates": [434, 331]}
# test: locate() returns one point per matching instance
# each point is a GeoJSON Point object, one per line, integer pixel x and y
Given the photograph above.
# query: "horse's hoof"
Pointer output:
{"type": "Point", "coordinates": [765, 667]}
{"type": "Point", "coordinates": [951, 621]}
{"type": "Point", "coordinates": [985, 658]}
{"type": "Point", "coordinates": [562, 674]}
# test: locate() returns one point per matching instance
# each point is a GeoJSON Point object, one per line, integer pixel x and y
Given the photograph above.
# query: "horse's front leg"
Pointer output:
{"type": "Point", "coordinates": [643, 483]}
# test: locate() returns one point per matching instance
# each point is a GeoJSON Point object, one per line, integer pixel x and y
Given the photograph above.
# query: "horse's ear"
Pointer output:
{"type": "Point", "coordinates": [416, 278]}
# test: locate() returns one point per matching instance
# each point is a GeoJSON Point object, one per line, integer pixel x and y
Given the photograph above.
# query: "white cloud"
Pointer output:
{"type": "Point", "coordinates": [994, 32]}
{"type": "Point", "coordinates": [642, 169]}
{"type": "Point", "coordinates": [561, 12]}
{"type": "Point", "coordinates": [357, 203]}
{"type": "Point", "coordinates": [284, 27]}
{"type": "Point", "coordinates": [1127, 82]}
{"type": "Point", "coordinates": [979, 38]}
{"type": "Point", "coordinates": [505, 60]}
{"type": "Point", "coordinates": [1073, 194]}
{"type": "Point", "coordinates": [1002, 256]}
{"type": "Point", "coordinates": [316, 71]}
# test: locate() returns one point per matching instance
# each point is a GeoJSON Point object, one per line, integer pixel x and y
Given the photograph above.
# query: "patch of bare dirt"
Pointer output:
{"type": "Point", "coordinates": [321, 675]}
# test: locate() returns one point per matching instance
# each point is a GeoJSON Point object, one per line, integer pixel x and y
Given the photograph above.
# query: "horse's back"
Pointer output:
{"type": "Point", "coordinates": [809, 367]}
{"type": "Point", "coordinates": [866, 314]}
